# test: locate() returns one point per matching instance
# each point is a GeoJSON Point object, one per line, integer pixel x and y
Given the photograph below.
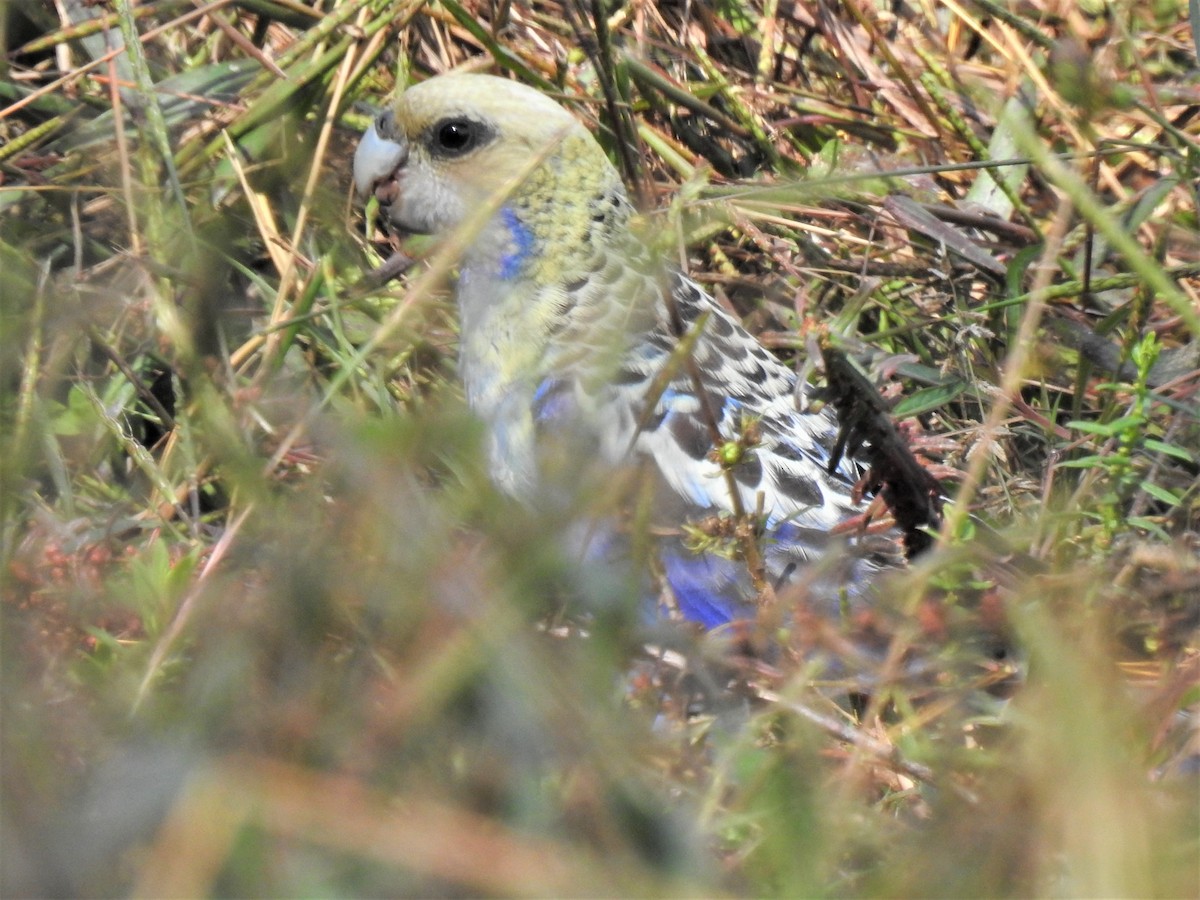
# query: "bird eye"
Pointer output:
{"type": "Point", "coordinates": [454, 137]}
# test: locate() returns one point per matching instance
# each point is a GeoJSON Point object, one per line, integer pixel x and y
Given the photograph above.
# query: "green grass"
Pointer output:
{"type": "Point", "coordinates": [269, 629]}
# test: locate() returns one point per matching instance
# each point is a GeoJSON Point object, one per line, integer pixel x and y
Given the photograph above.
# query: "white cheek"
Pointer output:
{"type": "Point", "coordinates": [426, 203]}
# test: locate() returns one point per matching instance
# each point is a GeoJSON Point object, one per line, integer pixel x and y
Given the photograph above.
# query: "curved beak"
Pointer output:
{"type": "Point", "coordinates": [378, 159]}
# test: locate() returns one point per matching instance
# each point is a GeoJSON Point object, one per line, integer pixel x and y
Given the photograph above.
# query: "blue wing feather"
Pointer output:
{"type": "Point", "coordinates": [632, 414]}
{"type": "Point", "coordinates": [707, 588]}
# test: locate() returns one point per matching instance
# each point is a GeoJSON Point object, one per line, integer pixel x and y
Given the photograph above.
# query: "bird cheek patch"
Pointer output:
{"type": "Point", "coordinates": [423, 202]}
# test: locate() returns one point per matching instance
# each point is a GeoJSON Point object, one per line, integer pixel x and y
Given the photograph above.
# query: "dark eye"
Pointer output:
{"type": "Point", "coordinates": [454, 137]}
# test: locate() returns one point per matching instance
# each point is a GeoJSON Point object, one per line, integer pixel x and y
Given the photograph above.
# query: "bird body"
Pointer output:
{"type": "Point", "coordinates": [570, 324]}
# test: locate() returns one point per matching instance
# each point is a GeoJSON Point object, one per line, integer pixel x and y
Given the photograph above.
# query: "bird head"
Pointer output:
{"type": "Point", "coordinates": [455, 142]}
{"type": "Point", "coordinates": [541, 221]}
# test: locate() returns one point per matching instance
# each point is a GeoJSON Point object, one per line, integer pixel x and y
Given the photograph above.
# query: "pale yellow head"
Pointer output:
{"type": "Point", "coordinates": [454, 141]}
{"type": "Point", "coordinates": [545, 280]}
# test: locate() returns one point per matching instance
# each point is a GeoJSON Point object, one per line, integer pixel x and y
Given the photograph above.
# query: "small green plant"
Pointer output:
{"type": "Point", "coordinates": [1126, 455]}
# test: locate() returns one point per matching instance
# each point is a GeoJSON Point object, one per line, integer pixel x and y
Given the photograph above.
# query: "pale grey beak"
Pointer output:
{"type": "Point", "coordinates": [377, 158]}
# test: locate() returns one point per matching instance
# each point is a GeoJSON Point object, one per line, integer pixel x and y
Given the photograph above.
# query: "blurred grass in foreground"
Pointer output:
{"type": "Point", "coordinates": [268, 628]}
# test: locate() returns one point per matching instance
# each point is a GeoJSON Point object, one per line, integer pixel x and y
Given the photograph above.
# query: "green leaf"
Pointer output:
{"type": "Point", "coordinates": [1160, 493]}
{"type": "Point", "coordinates": [1149, 525]}
{"type": "Point", "coordinates": [1085, 462]}
{"type": "Point", "coordinates": [929, 398]}
{"type": "Point", "coordinates": [1108, 429]}
{"type": "Point", "coordinates": [1104, 429]}
{"type": "Point", "coordinates": [1170, 450]}
{"type": "Point", "coordinates": [77, 417]}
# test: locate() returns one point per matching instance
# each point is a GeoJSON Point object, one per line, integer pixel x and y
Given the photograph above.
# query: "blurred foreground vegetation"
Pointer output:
{"type": "Point", "coordinates": [268, 628]}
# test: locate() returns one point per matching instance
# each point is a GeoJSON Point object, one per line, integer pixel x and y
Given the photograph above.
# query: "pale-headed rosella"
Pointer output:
{"type": "Point", "coordinates": [572, 325]}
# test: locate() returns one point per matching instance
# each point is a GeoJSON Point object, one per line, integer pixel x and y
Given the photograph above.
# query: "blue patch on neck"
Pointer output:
{"type": "Point", "coordinates": [521, 242]}
{"type": "Point", "coordinates": [553, 399]}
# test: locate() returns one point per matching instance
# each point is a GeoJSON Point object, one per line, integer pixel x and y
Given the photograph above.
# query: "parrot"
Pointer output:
{"type": "Point", "coordinates": [574, 329]}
